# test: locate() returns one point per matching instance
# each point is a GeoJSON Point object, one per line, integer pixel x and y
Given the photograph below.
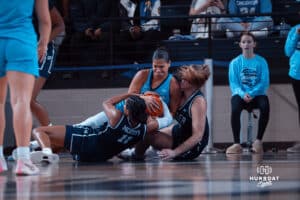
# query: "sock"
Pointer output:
{"type": "Point", "coordinates": [23, 153]}
{"type": "Point", "coordinates": [1, 151]}
{"type": "Point", "coordinates": [47, 150]}
{"type": "Point", "coordinates": [50, 124]}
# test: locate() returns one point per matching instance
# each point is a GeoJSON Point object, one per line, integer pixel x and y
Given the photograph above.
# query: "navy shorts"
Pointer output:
{"type": "Point", "coordinates": [83, 143]}
{"type": "Point", "coordinates": [177, 135]}
{"type": "Point", "coordinates": [46, 67]}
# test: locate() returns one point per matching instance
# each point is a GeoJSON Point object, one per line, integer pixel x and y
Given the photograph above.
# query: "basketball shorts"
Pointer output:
{"type": "Point", "coordinates": [177, 135]}
{"type": "Point", "coordinates": [18, 56]}
{"type": "Point", "coordinates": [46, 66]}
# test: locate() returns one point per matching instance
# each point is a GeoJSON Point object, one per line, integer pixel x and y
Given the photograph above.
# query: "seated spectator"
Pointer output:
{"type": "Point", "coordinates": [258, 25]}
{"type": "Point", "coordinates": [88, 17]}
{"type": "Point", "coordinates": [140, 35]}
{"type": "Point", "coordinates": [248, 81]}
{"type": "Point", "coordinates": [89, 24]}
{"type": "Point", "coordinates": [199, 28]}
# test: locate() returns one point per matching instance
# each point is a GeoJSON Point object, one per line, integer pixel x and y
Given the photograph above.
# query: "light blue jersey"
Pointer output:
{"type": "Point", "coordinates": [249, 7]}
{"type": "Point", "coordinates": [16, 20]}
{"type": "Point", "coordinates": [163, 89]}
{"type": "Point", "coordinates": [292, 50]}
{"type": "Point", "coordinates": [249, 76]}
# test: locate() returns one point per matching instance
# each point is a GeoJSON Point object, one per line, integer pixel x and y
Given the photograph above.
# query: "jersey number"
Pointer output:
{"type": "Point", "coordinates": [125, 139]}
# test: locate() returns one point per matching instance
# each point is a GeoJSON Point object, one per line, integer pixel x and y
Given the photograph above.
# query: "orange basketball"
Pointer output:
{"type": "Point", "coordinates": [160, 110]}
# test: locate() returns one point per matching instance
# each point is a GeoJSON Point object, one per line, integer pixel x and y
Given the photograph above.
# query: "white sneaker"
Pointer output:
{"type": "Point", "coordinates": [129, 155]}
{"type": "Point", "coordinates": [3, 165]}
{"type": "Point", "coordinates": [40, 156]}
{"type": "Point", "coordinates": [26, 167]}
{"type": "Point", "coordinates": [151, 153]}
{"type": "Point", "coordinates": [34, 145]}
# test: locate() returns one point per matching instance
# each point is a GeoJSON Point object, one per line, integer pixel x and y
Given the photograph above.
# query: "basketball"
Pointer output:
{"type": "Point", "coordinates": [156, 112]}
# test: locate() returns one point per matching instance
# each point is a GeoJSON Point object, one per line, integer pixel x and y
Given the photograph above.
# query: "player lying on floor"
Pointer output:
{"type": "Point", "coordinates": [124, 129]}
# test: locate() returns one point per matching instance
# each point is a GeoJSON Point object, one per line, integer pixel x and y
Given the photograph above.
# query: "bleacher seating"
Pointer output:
{"type": "Point", "coordinates": [220, 49]}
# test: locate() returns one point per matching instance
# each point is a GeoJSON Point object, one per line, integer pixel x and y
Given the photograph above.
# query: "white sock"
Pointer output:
{"type": "Point", "coordinates": [47, 150]}
{"type": "Point", "coordinates": [50, 124]}
{"type": "Point", "coordinates": [1, 151]}
{"type": "Point", "coordinates": [23, 153]}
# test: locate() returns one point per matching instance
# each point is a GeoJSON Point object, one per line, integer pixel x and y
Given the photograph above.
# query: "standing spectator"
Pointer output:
{"type": "Point", "coordinates": [258, 25]}
{"type": "Point", "coordinates": [199, 27]}
{"type": "Point", "coordinates": [249, 81]}
{"type": "Point", "coordinates": [292, 50]}
{"type": "Point", "coordinates": [46, 65]}
{"type": "Point", "coordinates": [19, 56]}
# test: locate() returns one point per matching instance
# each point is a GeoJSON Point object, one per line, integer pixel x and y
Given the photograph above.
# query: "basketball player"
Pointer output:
{"type": "Point", "coordinates": [46, 66]}
{"type": "Point", "coordinates": [157, 80]}
{"type": "Point", "coordinates": [19, 55]}
{"type": "Point", "coordinates": [186, 139]}
{"type": "Point", "coordinates": [122, 130]}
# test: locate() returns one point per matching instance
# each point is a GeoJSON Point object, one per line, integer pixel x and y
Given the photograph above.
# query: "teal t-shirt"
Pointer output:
{"type": "Point", "coordinates": [16, 20]}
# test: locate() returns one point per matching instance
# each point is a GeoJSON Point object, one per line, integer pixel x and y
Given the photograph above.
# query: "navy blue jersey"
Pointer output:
{"type": "Point", "coordinates": [184, 118]}
{"type": "Point", "coordinates": [102, 143]}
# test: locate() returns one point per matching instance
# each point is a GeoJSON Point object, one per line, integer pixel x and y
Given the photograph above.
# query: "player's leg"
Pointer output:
{"type": "Point", "coordinates": [37, 109]}
{"type": "Point", "coordinates": [45, 69]}
{"type": "Point", "coordinates": [50, 138]}
{"type": "Point", "coordinates": [3, 90]}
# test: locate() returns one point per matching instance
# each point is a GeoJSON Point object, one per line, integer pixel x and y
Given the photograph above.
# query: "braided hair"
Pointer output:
{"type": "Point", "coordinates": [136, 107]}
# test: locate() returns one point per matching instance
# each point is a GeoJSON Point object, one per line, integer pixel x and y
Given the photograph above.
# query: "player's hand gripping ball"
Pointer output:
{"type": "Point", "coordinates": [154, 104]}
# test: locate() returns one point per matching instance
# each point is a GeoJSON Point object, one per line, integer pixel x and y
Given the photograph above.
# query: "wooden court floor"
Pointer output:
{"type": "Point", "coordinates": [211, 176]}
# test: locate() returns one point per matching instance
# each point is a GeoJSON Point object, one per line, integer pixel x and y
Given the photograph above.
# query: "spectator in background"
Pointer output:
{"type": "Point", "coordinates": [19, 56]}
{"type": "Point", "coordinates": [141, 34]}
{"type": "Point", "coordinates": [292, 50]}
{"type": "Point", "coordinates": [258, 25]}
{"type": "Point", "coordinates": [199, 28]}
{"type": "Point", "coordinates": [88, 17]}
{"type": "Point", "coordinates": [46, 65]}
{"type": "Point", "coordinates": [248, 81]}
{"type": "Point", "coordinates": [92, 30]}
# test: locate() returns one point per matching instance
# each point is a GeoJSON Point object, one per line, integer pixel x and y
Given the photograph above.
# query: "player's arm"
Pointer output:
{"type": "Point", "coordinates": [198, 111]}
{"type": "Point", "coordinates": [58, 25]}
{"type": "Point", "coordinates": [138, 80]}
{"type": "Point", "coordinates": [154, 124]}
{"type": "Point", "coordinates": [110, 110]}
{"type": "Point", "coordinates": [43, 16]}
{"type": "Point", "coordinates": [175, 96]}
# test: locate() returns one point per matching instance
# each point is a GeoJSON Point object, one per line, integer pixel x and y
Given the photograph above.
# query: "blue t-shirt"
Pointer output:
{"type": "Point", "coordinates": [16, 20]}
{"type": "Point", "coordinates": [249, 75]}
{"type": "Point", "coordinates": [292, 50]}
{"type": "Point", "coordinates": [249, 7]}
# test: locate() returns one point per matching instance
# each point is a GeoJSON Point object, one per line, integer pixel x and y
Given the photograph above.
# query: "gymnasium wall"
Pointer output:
{"type": "Point", "coordinates": [68, 106]}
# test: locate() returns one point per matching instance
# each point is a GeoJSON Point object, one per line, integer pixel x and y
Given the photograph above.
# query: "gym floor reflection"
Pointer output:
{"type": "Point", "coordinates": [211, 176]}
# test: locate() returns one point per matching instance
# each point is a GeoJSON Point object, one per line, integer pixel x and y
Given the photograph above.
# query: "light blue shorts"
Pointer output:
{"type": "Point", "coordinates": [18, 56]}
